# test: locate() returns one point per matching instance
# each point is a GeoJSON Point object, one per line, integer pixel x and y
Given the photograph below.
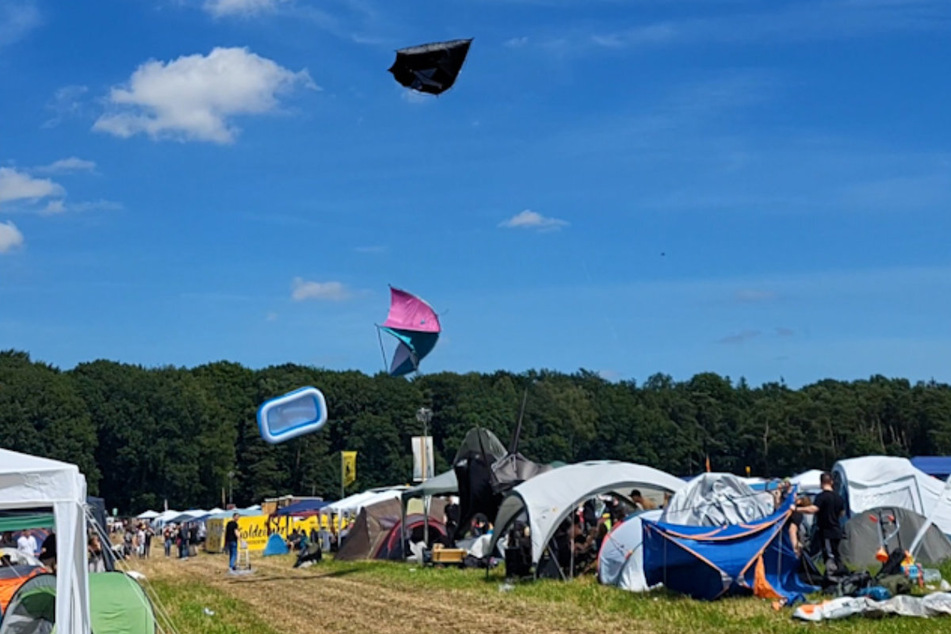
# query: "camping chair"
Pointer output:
{"type": "Point", "coordinates": [885, 518]}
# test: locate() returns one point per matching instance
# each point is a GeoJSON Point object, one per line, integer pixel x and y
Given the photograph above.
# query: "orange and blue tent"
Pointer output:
{"type": "Point", "coordinates": [711, 562]}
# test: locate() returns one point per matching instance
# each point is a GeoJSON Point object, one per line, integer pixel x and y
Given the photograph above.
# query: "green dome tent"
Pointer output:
{"type": "Point", "coordinates": [117, 605]}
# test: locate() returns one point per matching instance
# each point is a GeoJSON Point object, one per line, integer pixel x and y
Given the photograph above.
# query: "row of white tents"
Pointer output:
{"type": "Point", "coordinates": [546, 500]}
{"type": "Point", "coordinates": [159, 520]}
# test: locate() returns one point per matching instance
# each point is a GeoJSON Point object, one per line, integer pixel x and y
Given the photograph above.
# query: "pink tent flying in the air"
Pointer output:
{"type": "Point", "coordinates": [416, 325]}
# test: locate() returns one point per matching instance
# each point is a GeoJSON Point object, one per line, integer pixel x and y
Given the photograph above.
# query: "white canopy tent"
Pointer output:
{"type": "Point", "coordinates": [159, 520]}
{"type": "Point", "coordinates": [31, 482]}
{"type": "Point", "coordinates": [550, 497]}
{"type": "Point", "coordinates": [148, 515]}
{"type": "Point", "coordinates": [874, 481]}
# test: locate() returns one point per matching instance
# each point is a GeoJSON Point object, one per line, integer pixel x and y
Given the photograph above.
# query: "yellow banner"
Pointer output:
{"type": "Point", "coordinates": [255, 529]}
{"type": "Point", "coordinates": [348, 467]}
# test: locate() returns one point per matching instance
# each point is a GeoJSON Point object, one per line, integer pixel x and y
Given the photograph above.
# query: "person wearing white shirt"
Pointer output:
{"type": "Point", "coordinates": [26, 543]}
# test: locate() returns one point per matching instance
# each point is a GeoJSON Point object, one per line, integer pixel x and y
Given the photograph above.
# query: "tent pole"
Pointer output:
{"type": "Point", "coordinates": [427, 501]}
{"type": "Point", "coordinates": [557, 565]}
{"type": "Point", "coordinates": [518, 426]}
{"type": "Point", "coordinates": [403, 527]}
{"type": "Point", "coordinates": [571, 545]}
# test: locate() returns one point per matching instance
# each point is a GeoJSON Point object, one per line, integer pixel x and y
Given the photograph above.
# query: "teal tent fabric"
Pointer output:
{"type": "Point", "coordinates": [20, 521]}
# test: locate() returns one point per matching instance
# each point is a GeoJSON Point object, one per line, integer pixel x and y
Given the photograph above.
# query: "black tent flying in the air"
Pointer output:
{"type": "Point", "coordinates": [430, 68]}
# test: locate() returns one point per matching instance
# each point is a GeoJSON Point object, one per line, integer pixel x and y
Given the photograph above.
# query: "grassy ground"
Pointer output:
{"type": "Point", "coordinates": [403, 598]}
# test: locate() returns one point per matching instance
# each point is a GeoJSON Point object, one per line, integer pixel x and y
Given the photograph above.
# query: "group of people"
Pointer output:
{"type": "Point", "coordinates": [185, 537]}
{"type": "Point", "coordinates": [136, 539]}
{"type": "Point", "coordinates": [30, 550]}
{"type": "Point", "coordinates": [579, 539]}
{"type": "Point", "coordinates": [27, 545]}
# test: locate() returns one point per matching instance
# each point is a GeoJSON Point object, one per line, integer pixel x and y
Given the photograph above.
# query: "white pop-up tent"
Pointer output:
{"type": "Point", "coordinates": [31, 482]}
{"type": "Point", "coordinates": [876, 481]}
{"type": "Point", "coordinates": [808, 481]}
{"type": "Point", "coordinates": [621, 558]}
{"type": "Point", "coordinates": [550, 497]}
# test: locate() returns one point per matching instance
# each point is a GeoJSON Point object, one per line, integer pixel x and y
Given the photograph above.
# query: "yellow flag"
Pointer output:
{"type": "Point", "coordinates": [349, 465]}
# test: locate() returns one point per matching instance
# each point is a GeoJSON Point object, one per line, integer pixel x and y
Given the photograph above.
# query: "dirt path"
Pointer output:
{"type": "Point", "coordinates": [338, 601]}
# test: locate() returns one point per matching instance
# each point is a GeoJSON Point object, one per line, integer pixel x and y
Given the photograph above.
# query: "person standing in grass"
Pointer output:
{"type": "Point", "coordinates": [232, 534]}
{"type": "Point", "coordinates": [829, 508]}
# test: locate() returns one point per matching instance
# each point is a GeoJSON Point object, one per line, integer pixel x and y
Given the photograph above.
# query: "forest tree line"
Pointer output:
{"type": "Point", "coordinates": [144, 435]}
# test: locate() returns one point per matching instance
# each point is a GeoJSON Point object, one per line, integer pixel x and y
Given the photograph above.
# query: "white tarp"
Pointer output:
{"type": "Point", "coordinates": [808, 481]}
{"type": "Point", "coordinates": [621, 559]}
{"type": "Point", "coordinates": [163, 517]}
{"type": "Point", "coordinates": [934, 604]}
{"type": "Point", "coordinates": [31, 482]}
{"type": "Point", "coordinates": [351, 505]}
{"type": "Point", "coordinates": [549, 497]}
{"type": "Point", "coordinates": [717, 499]}
{"type": "Point", "coordinates": [875, 481]}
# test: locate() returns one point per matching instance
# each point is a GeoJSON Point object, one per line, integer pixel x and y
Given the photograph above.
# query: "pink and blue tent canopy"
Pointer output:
{"type": "Point", "coordinates": [416, 325]}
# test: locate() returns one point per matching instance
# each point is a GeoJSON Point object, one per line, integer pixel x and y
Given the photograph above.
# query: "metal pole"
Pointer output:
{"type": "Point", "coordinates": [571, 545]}
{"type": "Point", "coordinates": [424, 415]}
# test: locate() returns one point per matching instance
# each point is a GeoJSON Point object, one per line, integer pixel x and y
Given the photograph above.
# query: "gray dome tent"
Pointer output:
{"type": "Point", "coordinates": [117, 605]}
{"type": "Point", "coordinates": [868, 531]}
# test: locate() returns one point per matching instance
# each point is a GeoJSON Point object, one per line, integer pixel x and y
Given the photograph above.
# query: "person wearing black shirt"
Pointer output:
{"type": "Point", "coordinates": [452, 512]}
{"type": "Point", "coordinates": [828, 507]}
{"type": "Point", "coordinates": [48, 552]}
{"type": "Point", "coordinates": [231, 541]}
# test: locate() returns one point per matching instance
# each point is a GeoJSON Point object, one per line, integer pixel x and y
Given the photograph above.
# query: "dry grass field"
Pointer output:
{"type": "Point", "coordinates": [394, 598]}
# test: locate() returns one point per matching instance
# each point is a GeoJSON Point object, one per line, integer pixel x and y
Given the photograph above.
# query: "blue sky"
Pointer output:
{"type": "Point", "coordinates": [759, 189]}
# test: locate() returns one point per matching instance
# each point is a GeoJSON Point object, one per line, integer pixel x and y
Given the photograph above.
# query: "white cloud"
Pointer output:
{"type": "Point", "coordinates": [271, 316]}
{"type": "Point", "coordinates": [53, 207]}
{"type": "Point", "coordinates": [193, 97]}
{"type": "Point", "coordinates": [67, 103]}
{"type": "Point", "coordinates": [43, 195]}
{"type": "Point", "coordinates": [516, 42]}
{"type": "Point", "coordinates": [17, 19]}
{"type": "Point", "coordinates": [16, 185]}
{"type": "Point", "coordinates": [789, 22]}
{"type": "Point", "coordinates": [220, 8]}
{"type": "Point", "coordinates": [302, 289]}
{"type": "Point", "coordinates": [10, 237]}
{"type": "Point", "coordinates": [67, 165]}
{"type": "Point", "coordinates": [529, 219]}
